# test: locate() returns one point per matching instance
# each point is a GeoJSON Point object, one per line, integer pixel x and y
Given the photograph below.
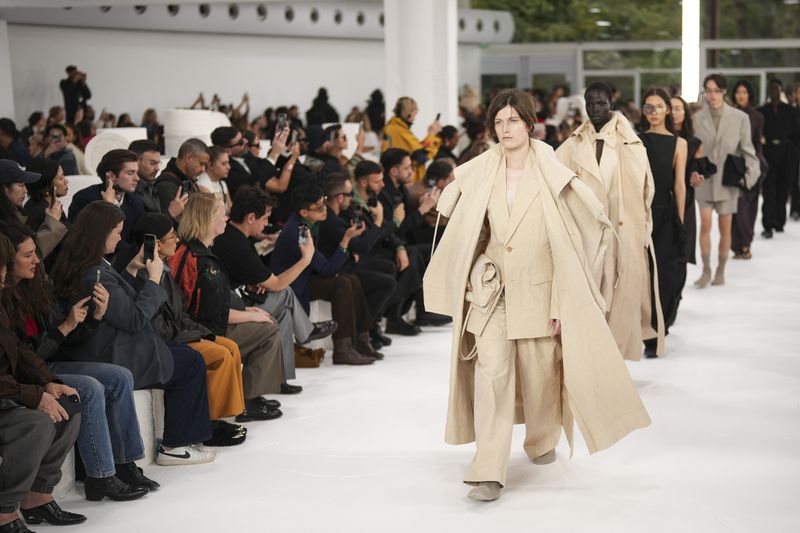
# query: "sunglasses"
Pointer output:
{"type": "Point", "coordinates": [649, 109]}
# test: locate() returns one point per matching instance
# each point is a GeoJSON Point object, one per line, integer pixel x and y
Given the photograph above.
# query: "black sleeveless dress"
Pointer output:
{"type": "Point", "coordinates": [669, 235]}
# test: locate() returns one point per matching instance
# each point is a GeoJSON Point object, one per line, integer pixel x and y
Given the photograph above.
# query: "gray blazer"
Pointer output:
{"type": "Point", "coordinates": [125, 336]}
{"type": "Point", "coordinates": [732, 137]}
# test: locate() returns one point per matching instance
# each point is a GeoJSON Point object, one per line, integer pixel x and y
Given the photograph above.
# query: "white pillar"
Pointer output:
{"type": "Point", "coordinates": [421, 53]}
{"type": "Point", "coordinates": [6, 88]}
{"type": "Point", "coordinates": [690, 50]}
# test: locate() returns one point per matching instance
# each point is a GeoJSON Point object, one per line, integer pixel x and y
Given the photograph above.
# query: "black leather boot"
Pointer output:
{"type": "Point", "coordinates": [132, 475]}
{"type": "Point", "coordinates": [52, 514]}
{"type": "Point", "coordinates": [113, 488]}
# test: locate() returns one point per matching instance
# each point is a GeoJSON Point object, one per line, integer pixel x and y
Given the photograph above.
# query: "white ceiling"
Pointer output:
{"type": "Point", "coordinates": [89, 3]}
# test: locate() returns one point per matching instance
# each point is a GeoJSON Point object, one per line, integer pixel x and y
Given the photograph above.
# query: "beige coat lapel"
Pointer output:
{"type": "Point", "coordinates": [527, 191]}
{"type": "Point", "coordinates": [497, 203]}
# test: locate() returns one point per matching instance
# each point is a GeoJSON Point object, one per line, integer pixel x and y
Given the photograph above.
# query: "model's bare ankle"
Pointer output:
{"type": "Point", "coordinates": [7, 518]}
{"type": "Point", "coordinates": [35, 499]}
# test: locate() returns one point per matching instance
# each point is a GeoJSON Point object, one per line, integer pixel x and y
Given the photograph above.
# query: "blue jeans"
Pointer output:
{"type": "Point", "coordinates": [109, 432]}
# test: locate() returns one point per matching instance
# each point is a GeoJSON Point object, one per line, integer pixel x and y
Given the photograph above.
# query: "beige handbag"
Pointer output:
{"type": "Point", "coordinates": [486, 290]}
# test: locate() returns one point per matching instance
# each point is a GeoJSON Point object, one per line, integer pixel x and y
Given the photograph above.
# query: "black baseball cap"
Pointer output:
{"type": "Point", "coordinates": [12, 172]}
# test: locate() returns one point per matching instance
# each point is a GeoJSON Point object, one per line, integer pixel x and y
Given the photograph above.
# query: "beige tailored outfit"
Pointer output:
{"type": "Point", "coordinates": [549, 250]}
{"type": "Point", "coordinates": [512, 338]}
{"type": "Point", "coordinates": [623, 183]}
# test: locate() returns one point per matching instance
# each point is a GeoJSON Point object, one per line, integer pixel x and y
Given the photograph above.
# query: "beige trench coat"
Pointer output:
{"type": "Point", "coordinates": [628, 297]}
{"type": "Point", "coordinates": [597, 387]}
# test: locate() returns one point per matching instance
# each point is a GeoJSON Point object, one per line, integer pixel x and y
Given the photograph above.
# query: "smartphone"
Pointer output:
{"type": "Point", "coordinates": [186, 187]}
{"type": "Point", "coordinates": [149, 247]}
{"type": "Point", "coordinates": [282, 119]}
{"type": "Point", "coordinates": [97, 277]}
{"type": "Point", "coordinates": [358, 214]}
{"type": "Point", "coordinates": [438, 116]}
{"type": "Point", "coordinates": [372, 201]}
{"type": "Point", "coordinates": [294, 137]}
{"type": "Point", "coordinates": [302, 234]}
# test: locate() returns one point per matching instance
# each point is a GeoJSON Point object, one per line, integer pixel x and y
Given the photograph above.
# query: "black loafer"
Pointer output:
{"type": "Point", "coordinates": [767, 233]}
{"type": "Point", "coordinates": [226, 434]}
{"type": "Point", "coordinates": [401, 327]}
{"type": "Point", "coordinates": [433, 319]}
{"type": "Point", "coordinates": [290, 389]}
{"type": "Point", "coordinates": [249, 415]}
{"type": "Point", "coordinates": [52, 514]}
{"type": "Point", "coordinates": [272, 404]}
{"type": "Point", "coordinates": [134, 476]}
{"type": "Point", "coordinates": [322, 329]}
{"type": "Point", "coordinates": [113, 488]}
{"type": "Point", "coordinates": [15, 527]}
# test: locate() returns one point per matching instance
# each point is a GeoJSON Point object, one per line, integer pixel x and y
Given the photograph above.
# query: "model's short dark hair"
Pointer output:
{"type": "Point", "coordinates": [599, 87]}
{"type": "Point", "coordinates": [334, 183]}
{"type": "Point", "coordinates": [223, 136]}
{"type": "Point", "coordinates": [113, 162]}
{"type": "Point", "coordinates": [367, 168]}
{"type": "Point", "coordinates": [448, 132]}
{"type": "Point", "coordinates": [720, 80]}
{"type": "Point", "coordinates": [519, 100]}
{"type": "Point", "coordinates": [142, 146]}
{"type": "Point", "coordinates": [392, 158]}
{"type": "Point", "coordinates": [306, 195]}
{"type": "Point", "coordinates": [776, 81]}
{"type": "Point", "coordinates": [248, 200]}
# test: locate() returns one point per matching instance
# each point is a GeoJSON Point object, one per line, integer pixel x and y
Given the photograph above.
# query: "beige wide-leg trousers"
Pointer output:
{"type": "Point", "coordinates": [533, 365]}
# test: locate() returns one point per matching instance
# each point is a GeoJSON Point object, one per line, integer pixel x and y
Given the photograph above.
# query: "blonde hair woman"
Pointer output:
{"type": "Point", "coordinates": [205, 284]}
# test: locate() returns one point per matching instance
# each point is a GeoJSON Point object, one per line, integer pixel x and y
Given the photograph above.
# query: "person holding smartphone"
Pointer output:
{"type": "Point", "coordinates": [56, 139]}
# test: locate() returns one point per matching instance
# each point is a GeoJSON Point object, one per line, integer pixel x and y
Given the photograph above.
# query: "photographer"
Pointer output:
{"type": "Point", "coordinates": [76, 92]}
{"type": "Point", "coordinates": [57, 149]}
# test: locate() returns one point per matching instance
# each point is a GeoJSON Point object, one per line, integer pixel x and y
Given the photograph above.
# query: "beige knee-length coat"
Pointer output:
{"type": "Point", "coordinates": [627, 204]}
{"type": "Point", "coordinates": [597, 387]}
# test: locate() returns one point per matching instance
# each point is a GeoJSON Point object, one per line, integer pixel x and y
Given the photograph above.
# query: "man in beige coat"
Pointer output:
{"type": "Point", "coordinates": [533, 345]}
{"type": "Point", "coordinates": [608, 156]}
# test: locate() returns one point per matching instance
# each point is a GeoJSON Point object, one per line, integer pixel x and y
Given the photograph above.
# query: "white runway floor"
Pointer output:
{"type": "Point", "coordinates": [361, 449]}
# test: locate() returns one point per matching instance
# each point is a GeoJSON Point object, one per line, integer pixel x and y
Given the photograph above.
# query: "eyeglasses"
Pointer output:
{"type": "Point", "coordinates": [234, 145]}
{"type": "Point", "coordinates": [347, 194]}
{"type": "Point", "coordinates": [171, 235]}
{"type": "Point", "coordinates": [319, 206]}
{"type": "Point", "coordinates": [649, 109]}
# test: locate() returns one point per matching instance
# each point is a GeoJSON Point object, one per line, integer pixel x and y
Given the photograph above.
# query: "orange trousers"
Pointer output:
{"type": "Point", "coordinates": [224, 376]}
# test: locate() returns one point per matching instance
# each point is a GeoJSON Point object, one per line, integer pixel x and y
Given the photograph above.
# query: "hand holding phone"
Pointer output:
{"type": "Point", "coordinates": [149, 247]}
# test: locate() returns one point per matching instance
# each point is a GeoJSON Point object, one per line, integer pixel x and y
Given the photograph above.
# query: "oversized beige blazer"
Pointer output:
{"type": "Point", "coordinates": [517, 243]}
{"type": "Point", "coordinates": [628, 296]}
{"type": "Point", "coordinates": [597, 387]}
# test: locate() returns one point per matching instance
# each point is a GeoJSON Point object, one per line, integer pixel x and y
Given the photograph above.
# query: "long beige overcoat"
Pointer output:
{"type": "Point", "coordinates": [627, 203]}
{"type": "Point", "coordinates": [597, 387]}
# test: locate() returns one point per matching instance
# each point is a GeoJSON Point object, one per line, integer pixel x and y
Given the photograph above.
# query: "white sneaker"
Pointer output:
{"type": "Point", "coordinates": [184, 455]}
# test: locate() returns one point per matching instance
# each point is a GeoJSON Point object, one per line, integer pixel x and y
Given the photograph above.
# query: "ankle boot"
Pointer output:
{"type": "Point", "coordinates": [719, 276]}
{"type": "Point", "coordinates": [703, 281]}
{"type": "Point", "coordinates": [364, 346]}
{"type": "Point", "coordinates": [134, 476]}
{"type": "Point", "coordinates": [111, 487]}
{"type": "Point", "coordinates": [344, 354]}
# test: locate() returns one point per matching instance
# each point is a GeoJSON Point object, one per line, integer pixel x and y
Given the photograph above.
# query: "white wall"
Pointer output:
{"type": "Point", "coordinates": [6, 100]}
{"type": "Point", "coordinates": [129, 71]}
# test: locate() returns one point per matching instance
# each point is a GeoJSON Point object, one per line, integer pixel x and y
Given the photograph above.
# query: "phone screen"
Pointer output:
{"type": "Point", "coordinates": [186, 187]}
{"type": "Point", "coordinates": [294, 137]}
{"type": "Point", "coordinates": [438, 116]}
{"type": "Point", "coordinates": [149, 247]}
{"type": "Point", "coordinates": [282, 121]}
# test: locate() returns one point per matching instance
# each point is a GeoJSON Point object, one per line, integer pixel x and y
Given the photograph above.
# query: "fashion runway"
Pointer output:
{"type": "Point", "coordinates": [361, 449]}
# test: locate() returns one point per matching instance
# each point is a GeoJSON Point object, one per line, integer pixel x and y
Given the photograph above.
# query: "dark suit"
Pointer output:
{"type": "Point", "coordinates": [132, 206]}
{"type": "Point", "coordinates": [782, 136]}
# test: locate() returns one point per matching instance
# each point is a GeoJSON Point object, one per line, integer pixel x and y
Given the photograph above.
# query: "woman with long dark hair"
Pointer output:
{"type": "Point", "coordinates": [744, 220]}
{"type": "Point", "coordinates": [109, 440]}
{"type": "Point", "coordinates": [667, 154]}
{"type": "Point", "coordinates": [45, 193]}
{"type": "Point", "coordinates": [126, 336]}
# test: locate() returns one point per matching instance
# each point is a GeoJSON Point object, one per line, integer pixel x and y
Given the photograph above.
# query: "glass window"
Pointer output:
{"type": "Point", "coordinates": [546, 82]}
{"type": "Point", "coordinates": [625, 84]}
{"type": "Point", "coordinates": [735, 19]}
{"type": "Point", "coordinates": [492, 83]}
{"type": "Point", "coordinates": [626, 59]}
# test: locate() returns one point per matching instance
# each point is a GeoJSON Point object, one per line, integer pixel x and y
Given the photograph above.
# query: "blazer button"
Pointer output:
{"type": "Point", "coordinates": [508, 249]}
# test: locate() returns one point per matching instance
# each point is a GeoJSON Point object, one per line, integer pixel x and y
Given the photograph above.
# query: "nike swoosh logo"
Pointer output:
{"type": "Point", "coordinates": [185, 455]}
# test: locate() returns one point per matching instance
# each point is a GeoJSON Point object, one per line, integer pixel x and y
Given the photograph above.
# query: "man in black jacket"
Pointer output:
{"type": "Point", "coordinates": [235, 144]}
{"type": "Point", "coordinates": [76, 92]}
{"type": "Point", "coordinates": [187, 167]}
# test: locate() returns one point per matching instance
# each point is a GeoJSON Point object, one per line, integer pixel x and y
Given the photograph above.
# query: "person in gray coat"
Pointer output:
{"type": "Point", "coordinates": [126, 337]}
{"type": "Point", "coordinates": [724, 131]}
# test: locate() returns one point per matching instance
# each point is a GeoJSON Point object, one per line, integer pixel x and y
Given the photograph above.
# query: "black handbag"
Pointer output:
{"type": "Point", "coordinates": [733, 173]}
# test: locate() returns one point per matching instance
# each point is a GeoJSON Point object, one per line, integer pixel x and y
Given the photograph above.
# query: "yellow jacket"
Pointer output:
{"type": "Point", "coordinates": [397, 134]}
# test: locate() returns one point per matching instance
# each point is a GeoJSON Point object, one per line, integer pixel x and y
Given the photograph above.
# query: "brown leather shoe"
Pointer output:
{"type": "Point", "coordinates": [303, 358]}
{"type": "Point", "coordinates": [364, 346]}
{"type": "Point", "coordinates": [344, 354]}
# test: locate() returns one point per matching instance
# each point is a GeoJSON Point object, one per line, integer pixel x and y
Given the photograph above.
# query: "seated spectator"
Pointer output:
{"type": "Point", "coordinates": [126, 337]}
{"type": "Point", "coordinates": [149, 164]}
{"type": "Point", "coordinates": [118, 172]}
{"type": "Point", "coordinates": [181, 171]}
{"type": "Point", "coordinates": [14, 181]}
{"type": "Point", "coordinates": [10, 140]}
{"type": "Point", "coordinates": [205, 285]}
{"type": "Point", "coordinates": [213, 179]}
{"type": "Point", "coordinates": [44, 194]}
{"type": "Point", "coordinates": [474, 150]}
{"type": "Point", "coordinates": [155, 131]}
{"type": "Point", "coordinates": [377, 276]}
{"type": "Point", "coordinates": [258, 172]}
{"type": "Point", "coordinates": [37, 431]}
{"type": "Point", "coordinates": [36, 124]}
{"type": "Point", "coordinates": [408, 259]}
{"type": "Point", "coordinates": [173, 323]}
{"type": "Point", "coordinates": [125, 121]}
{"type": "Point", "coordinates": [55, 136]}
{"type": "Point", "coordinates": [75, 145]}
{"type": "Point", "coordinates": [300, 174]}
{"type": "Point", "coordinates": [56, 115]}
{"type": "Point", "coordinates": [397, 134]}
{"type": "Point", "coordinates": [260, 287]}
{"type": "Point", "coordinates": [278, 182]}
{"type": "Point", "coordinates": [319, 280]}
{"type": "Point", "coordinates": [449, 136]}
{"type": "Point", "coordinates": [327, 157]}
{"type": "Point", "coordinates": [109, 428]}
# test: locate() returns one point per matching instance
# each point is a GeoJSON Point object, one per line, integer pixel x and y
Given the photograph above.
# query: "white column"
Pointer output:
{"type": "Point", "coordinates": [6, 88]}
{"type": "Point", "coordinates": [690, 50]}
{"type": "Point", "coordinates": [421, 53]}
